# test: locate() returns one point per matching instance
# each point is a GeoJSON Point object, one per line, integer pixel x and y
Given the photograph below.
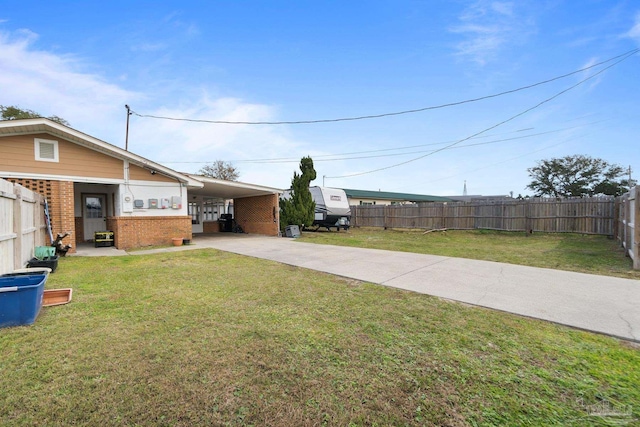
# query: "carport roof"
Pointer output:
{"type": "Point", "coordinates": [229, 189]}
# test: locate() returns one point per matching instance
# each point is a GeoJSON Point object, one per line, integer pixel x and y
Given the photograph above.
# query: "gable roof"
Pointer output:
{"type": "Point", "coordinates": [42, 125]}
{"type": "Point", "coordinates": [385, 195]}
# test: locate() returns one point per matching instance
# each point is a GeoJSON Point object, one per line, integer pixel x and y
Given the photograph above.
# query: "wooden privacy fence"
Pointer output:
{"type": "Point", "coordinates": [628, 232]}
{"type": "Point", "coordinates": [593, 215]}
{"type": "Point", "coordinates": [22, 225]}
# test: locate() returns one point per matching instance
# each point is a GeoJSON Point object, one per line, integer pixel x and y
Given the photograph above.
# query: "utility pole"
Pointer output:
{"type": "Point", "coordinates": [126, 139]}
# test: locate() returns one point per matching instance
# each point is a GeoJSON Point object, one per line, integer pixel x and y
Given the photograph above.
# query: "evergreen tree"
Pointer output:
{"type": "Point", "coordinates": [299, 208]}
{"type": "Point", "coordinates": [578, 176]}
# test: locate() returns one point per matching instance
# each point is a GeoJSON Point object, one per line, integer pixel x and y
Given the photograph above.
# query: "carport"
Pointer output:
{"type": "Point", "coordinates": [255, 208]}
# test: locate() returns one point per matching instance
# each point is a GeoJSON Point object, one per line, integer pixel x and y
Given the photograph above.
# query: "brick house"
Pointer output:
{"type": "Point", "coordinates": [93, 186]}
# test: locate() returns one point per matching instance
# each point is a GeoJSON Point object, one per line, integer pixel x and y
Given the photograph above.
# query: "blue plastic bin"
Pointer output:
{"type": "Point", "coordinates": [21, 297]}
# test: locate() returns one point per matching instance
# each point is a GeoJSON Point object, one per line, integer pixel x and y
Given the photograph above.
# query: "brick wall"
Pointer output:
{"type": "Point", "coordinates": [59, 195]}
{"type": "Point", "coordinates": [211, 227]}
{"type": "Point", "coordinates": [134, 232]}
{"type": "Point", "coordinates": [79, 229]}
{"type": "Point", "coordinates": [259, 215]}
{"type": "Point", "coordinates": [63, 208]}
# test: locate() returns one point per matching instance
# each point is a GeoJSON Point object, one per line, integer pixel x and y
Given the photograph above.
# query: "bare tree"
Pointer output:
{"type": "Point", "coordinates": [220, 170]}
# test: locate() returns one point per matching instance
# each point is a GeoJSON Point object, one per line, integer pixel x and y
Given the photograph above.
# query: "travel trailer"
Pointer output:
{"type": "Point", "coordinates": [332, 208]}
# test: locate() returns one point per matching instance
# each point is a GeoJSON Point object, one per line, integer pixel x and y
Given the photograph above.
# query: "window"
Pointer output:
{"type": "Point", "coordinates": [93, 208]}
{"type": "Point", "coordinates": [210, 209]}
{"type": "Point", "coordinates": [46, 150]}
{"type": "Point", "coordinates": [194, 211]}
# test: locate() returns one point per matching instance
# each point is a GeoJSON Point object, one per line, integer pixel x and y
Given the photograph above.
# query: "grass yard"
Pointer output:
{"type": "Point", "coordinates": [204, 337]}
{"type": "Point", "coordinates": [562, 251]}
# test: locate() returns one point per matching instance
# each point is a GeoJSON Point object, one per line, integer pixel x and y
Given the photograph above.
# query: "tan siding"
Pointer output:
{"type": "Point", "coordinates": [17, 155]}
{"type": "Point", "coordinates": [140, 174]}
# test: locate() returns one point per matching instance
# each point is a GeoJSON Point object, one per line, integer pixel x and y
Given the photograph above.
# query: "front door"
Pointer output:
{"type": "Point", "coordinates": [94, 215]}
{"type": "Point", "coordinates": [195, 212]}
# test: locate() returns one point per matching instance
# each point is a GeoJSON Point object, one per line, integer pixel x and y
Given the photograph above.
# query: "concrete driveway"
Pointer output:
{"type": "Point", "coordinates": [602, 304]}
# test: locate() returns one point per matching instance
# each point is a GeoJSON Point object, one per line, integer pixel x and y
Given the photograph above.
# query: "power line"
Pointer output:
{"type": "Point", "coordinates": [397, 113]}
{"type": "Point", "coordinates": [628, 55]}
{"type": "Point", "coordinates": [373, 156]}
{"type": "Point", "coordinates": [336, 155]}
{"type": "Point", "coordinates": [344, 156]}
{"type": "Point", "coordinates": [505, 161]}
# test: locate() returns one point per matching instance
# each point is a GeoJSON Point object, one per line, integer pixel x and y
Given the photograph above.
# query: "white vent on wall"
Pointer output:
{"type": "Point", "coordinates": [46, 150]}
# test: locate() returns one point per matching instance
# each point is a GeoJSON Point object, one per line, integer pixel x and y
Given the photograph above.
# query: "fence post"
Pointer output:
{"type": "Point", "coordinates": [354, 216]}
{"type": "Point", "coordinates": [616, 218]}
{"type": "Point", "coordinates": [385, 217]}
{"type": "Point", "coordinates": [17, 227]}
{"type": "Point", "coordinates": [527, 217]}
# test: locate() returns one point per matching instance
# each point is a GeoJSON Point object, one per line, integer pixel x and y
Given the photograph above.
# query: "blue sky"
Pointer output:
{"type": "Point", "coordinates": [256, 61]}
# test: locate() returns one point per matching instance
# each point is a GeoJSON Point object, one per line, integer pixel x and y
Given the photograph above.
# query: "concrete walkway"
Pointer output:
{"type": "Point", "coordinates": [603, 304]}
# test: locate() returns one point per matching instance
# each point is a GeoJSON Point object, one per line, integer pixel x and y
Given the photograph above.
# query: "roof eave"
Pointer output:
{"type": "Point", "coordinates": [29, 126]}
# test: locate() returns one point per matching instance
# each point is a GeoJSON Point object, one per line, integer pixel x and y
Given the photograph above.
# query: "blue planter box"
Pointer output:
{"type": "Point", "coordinates": [21, 298]}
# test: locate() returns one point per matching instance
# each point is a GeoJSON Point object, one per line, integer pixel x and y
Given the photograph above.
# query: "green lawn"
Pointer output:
{"type": "Point", "coordinates": [572, 252]}
{"type": "Point", "coordinates": [205, 337]}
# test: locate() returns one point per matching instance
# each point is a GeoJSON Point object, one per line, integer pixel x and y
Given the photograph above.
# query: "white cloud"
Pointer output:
{"type": "Point", "coordinates": [634, 32]}
{"type": "Point", "coordinates": [186, 146]}
{"type": "Point", "coordinates": [54, 84]}
{"type": "Point", "coordinates": [488, 27]}
{"type": "Point", "coordinates": [594, 81]}
{"type": "Point", "coordinates": [148, 47]}
{"type": "Point", "coordinates": [503, 8]}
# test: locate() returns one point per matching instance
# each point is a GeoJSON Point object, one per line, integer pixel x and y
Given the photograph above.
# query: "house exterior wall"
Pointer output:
{"type": "Point", "coordinates": [137, 173]}
{"type": "Point", "coordinates": [381, 202]}
{"type": "Point", "coordinates": [18, 155]}
{"type": "Point", "coordinates": [145, 190]}
{"type": "Point", "coordinates": [85, 166]}
{"type": "Point", "coordinates": [258, 215]}
{"type": "Point", "coordinates": [134, 232]}
{"type": "Point", "coordinates": [95, 173]}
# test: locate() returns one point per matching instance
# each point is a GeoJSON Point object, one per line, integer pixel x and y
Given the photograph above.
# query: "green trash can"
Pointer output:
{"type": "Point", "coordinates": [42, 252]}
